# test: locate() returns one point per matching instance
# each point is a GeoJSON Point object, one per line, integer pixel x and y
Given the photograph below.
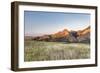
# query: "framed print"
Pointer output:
{"type": "Point", "coordinates": [52, 36]}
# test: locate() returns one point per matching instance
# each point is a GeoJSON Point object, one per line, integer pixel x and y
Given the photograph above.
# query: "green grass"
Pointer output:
{"type": "Point", "coordinates": [41, 51]}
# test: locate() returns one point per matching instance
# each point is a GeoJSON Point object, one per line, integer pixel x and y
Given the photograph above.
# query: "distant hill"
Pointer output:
{"type": "Point", "coordinates": [67, 36]}
{"type": "Point", "coordinates": [28, 37]}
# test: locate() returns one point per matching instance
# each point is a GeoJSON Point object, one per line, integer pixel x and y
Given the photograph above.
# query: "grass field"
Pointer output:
{"type": "Point", "coordinates": [41, 51]}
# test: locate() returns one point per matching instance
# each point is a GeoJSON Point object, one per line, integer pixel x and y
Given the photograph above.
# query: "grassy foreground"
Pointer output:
{"type": "Point", "coordinates": [41, 51]}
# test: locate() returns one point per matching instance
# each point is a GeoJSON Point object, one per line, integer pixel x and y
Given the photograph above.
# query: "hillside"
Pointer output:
{"type": "Point", "coordinates": [67, 36]}
{"type": "Point", "coordinates": [84, 35]}
{"type": "Point", "coordinates": [61, 34]}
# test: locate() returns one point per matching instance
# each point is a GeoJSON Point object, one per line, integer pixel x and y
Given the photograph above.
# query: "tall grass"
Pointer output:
{"type": "Point", "coordinates": [40, 51]}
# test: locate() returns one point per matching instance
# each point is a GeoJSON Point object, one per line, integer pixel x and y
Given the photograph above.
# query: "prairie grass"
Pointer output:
{"type": "Point", "coordinates": [43, 51]}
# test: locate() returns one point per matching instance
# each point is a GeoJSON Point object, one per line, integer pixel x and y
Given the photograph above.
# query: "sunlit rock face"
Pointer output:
{"type": "Point", "coordinates": [66, 36]}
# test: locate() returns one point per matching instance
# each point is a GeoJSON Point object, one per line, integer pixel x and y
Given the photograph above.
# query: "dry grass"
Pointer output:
{"type": "Point", "coordinates": [40, 51]}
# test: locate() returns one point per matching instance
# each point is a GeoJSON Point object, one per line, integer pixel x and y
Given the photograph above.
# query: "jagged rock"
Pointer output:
{"type": "Point", "coordinates": [73, 36]}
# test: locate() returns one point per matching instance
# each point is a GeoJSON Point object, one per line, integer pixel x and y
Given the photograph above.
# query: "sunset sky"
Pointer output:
{"type": "Point", "coordinates": [38, 23]}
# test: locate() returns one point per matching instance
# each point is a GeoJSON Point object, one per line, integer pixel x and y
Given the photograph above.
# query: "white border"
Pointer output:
{"type": "Point", "coordinates": [23, 64]}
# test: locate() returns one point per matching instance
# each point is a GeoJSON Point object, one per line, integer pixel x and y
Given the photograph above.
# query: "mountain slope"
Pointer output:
{"type": "Point", "coordinates": [67, 36]}
{"type": "Point", "coordinates": [84, 35]}
{"type": "Point", "coordinates": [61, 34]}
{"type": "Point", "coordinates": [84, 31]}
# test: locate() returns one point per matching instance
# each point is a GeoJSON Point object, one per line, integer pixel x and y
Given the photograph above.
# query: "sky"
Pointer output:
{"type": "Point", "coordinates": [38, 23]}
